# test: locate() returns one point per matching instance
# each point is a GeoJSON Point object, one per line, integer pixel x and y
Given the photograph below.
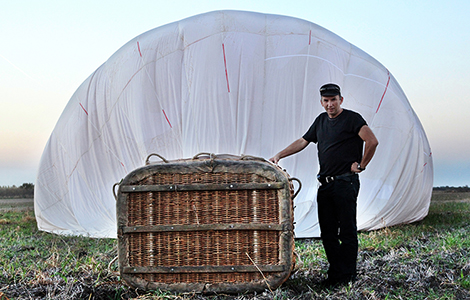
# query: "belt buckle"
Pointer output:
{"type": "Point", "coordinates": [329, 179]}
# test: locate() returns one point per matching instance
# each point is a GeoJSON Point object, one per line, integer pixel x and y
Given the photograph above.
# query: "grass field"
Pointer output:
{"type": "Point", "coordinates": [425, 260]}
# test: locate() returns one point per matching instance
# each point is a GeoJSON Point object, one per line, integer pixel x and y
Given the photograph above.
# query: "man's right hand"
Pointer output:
{"type": "Point", "coordinates": [275, 159]}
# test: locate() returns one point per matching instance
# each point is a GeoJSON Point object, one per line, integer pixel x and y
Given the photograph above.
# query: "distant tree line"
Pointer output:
{"type": "Point", "coordinates": [26, 190]}
{"type": "Point", "coordinates": [452, 189]}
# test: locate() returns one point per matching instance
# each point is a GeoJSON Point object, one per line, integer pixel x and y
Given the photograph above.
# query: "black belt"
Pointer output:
{"type": "Point", "coordinates": [328, 179]}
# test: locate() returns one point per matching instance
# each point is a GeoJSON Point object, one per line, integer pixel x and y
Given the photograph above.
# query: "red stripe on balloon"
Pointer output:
{"type": "Point", "coordinates": [138, 47]}
{"type": "Point", "coordinates": [225, 63]}
{"type": "Point", "coordinates": [167, 118]}
{"type": "Point", "coordinates": [83, 109]}
{"type": "Point", "coordinates": [386, 87]}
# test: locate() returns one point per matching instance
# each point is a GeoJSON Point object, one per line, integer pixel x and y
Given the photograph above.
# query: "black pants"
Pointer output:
{"type": "Point", "coordinates": [337, 206]}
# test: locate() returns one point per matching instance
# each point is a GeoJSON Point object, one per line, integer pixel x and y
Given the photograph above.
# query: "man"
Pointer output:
{"type": "Point", "coordinates": [341, 136]}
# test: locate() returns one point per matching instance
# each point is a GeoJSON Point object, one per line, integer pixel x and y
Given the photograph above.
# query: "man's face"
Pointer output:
{"type": "Point", "coordinates": [332, 105]}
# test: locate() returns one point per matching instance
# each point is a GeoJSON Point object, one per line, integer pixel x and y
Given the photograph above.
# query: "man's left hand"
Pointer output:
{"type": "Point", "coordinates": [354, 168]}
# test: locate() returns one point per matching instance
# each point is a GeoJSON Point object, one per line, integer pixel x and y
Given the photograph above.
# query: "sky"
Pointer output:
{"type": "Point", "coordinates": [48, 48]}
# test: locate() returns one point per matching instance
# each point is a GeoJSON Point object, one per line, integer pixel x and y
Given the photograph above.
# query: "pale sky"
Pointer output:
{"type": "Point", "coordinates": [48, 48]}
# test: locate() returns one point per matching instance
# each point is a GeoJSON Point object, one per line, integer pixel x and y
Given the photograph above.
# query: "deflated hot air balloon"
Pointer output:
{"type": "Point", "coordinates": [228, 82]}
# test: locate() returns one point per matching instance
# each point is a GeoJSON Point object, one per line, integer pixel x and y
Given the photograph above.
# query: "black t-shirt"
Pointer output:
{"type": "Point", "coordinates": [338, 142]}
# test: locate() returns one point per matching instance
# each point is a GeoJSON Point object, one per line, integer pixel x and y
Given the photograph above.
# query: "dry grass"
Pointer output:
{"type": "Point", "coordinates": [21, 204]}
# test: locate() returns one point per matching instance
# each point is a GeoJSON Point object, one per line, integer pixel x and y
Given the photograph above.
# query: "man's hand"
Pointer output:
{"type": "Point", "coordinates": [355, 169]}
{"type": "Point", "coordinates": [275, 159]}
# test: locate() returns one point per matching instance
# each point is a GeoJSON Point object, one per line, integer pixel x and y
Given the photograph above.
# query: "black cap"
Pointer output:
{"type": "Point", "coordinates": [330, 89]}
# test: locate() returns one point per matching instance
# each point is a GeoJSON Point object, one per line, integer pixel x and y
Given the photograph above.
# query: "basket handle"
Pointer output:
{"type": "Point", "coordinates": [300, 186]}
{"type": "Point", "coordinates": [211, 155]}
{"type": "Point", "coordinates": [247, 157]}
{"type": "Point", "coordinates": [147, 161]}
{"type": "Point", "coordinates": [114, 189]}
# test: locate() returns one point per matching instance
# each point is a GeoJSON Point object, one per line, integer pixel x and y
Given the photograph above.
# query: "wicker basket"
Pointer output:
{"type": "Point", "coordinates": [207, 224]}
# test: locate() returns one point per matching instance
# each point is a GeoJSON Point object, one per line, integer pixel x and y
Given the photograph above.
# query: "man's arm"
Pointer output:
{"type": "Point", "coordinates": [293, 148]}
{"type": "Point", "coordinates": [371, 143]}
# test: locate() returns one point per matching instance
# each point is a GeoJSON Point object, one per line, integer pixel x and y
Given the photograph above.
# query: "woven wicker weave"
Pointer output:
{"type": "Point", "coordinates": [207, 224]}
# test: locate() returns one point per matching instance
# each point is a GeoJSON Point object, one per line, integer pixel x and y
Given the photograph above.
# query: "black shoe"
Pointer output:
{"type": "Point", "coordinates": [347, 279]}
{"type": "Point", "coordinates": [336, 282]}
{"type": "Point", "coordinates": [329, 283]}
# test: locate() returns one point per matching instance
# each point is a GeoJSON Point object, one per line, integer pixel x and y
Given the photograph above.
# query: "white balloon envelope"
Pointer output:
{"type": "Point", "coordinates": [228, 82]}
